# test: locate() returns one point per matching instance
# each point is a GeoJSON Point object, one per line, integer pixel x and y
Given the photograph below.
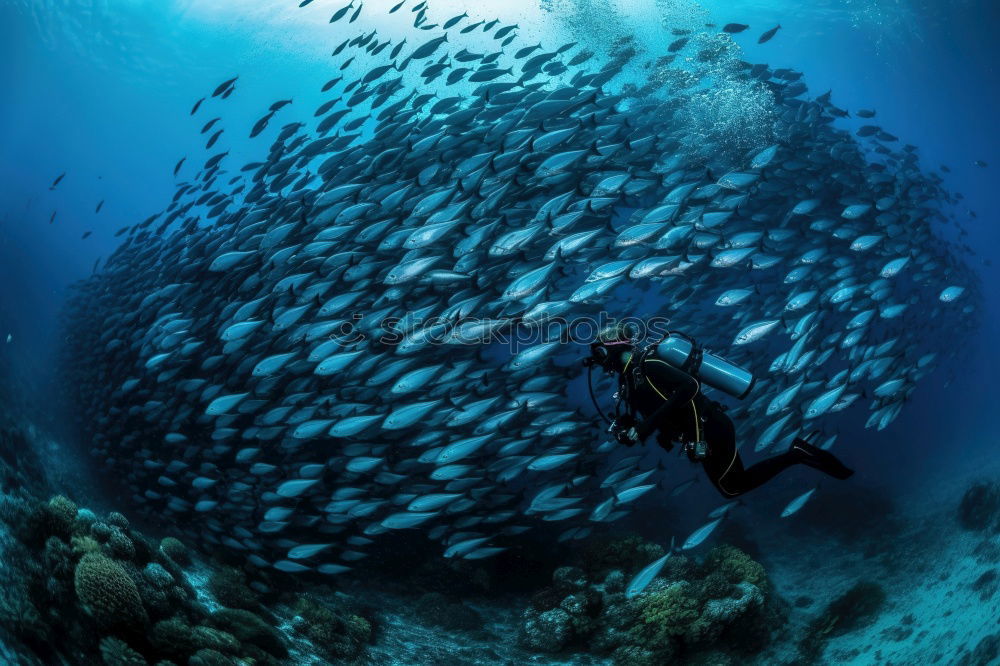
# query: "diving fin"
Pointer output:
{"type": "Point", "coordinates": [820, 459]}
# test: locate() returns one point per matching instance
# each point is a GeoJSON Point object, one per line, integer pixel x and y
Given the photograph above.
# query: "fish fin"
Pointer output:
{"type": "Point", "coordinates": [559, 260]}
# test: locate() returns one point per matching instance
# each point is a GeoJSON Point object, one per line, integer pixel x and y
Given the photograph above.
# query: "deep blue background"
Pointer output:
{"type": "Point", "coordinates": [102, 91]}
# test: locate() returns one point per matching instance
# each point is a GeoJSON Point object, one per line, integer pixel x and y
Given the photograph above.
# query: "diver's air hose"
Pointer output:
{"type": "Point", "coordinates": [593, 399]}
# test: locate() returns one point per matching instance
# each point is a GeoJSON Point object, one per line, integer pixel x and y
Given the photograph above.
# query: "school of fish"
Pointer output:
{"type": "Point", "coordinates": [298, 355]}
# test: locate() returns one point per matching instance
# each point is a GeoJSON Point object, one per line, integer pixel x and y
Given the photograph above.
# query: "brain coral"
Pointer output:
{"type": "Point", "coordinates": [107, 593]}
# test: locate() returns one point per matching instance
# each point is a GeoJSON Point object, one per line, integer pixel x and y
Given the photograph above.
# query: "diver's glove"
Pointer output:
{"type": "Point", "coordinates": [696, 451]}
{"type": "Point", "coordinates": [623, 430]}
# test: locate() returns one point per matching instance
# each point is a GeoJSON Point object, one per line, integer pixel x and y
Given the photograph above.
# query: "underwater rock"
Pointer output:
{"type": "Point", "coordinates": [435, 608]}
{"type": "Point", "coordinates": [856, 608]}
{"type": "Point", "coordinates": [22, 468]}
{"type": "Point", "coordinates": [979, 507]}
{"type": "Point", "coordinates": [986, 584]}
{"type": "Point", "coordinates": [23, 620]}
{"type": "Point", "coordinates": [15, 511]}
{"type": "Point", "coordinates": [985, 652]}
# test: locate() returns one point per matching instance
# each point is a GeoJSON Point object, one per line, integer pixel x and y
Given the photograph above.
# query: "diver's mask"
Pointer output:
{"type": "Point", "coordinates": [600, 353]}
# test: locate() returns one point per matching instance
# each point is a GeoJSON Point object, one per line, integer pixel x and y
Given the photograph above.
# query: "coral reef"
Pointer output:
{"type": "Point", "coordinates": [252, 631]}
{"type": "Point", "coordinates": [175, 550]}
{"type": "Point", "coordinates": [177, 640]}
{"type": "Point", "coordinates": [81, 588]}
{"type": "Point", "coordinates": [60, 513]}
{"type": "Point", "coordinates": [120, 546]}
{"type": "Point", "coordinates": [116, 652]}
{"type": "Point", "coordinates": [691, 607]}
{"type": "Point", "coordinates": [736, 566]}
{"type": "Point", "coordinates": [629, 553]}
{"type": "Point", "coordinates": [341, 634]}
{"type": "Point", "coordinates": [230, 589]}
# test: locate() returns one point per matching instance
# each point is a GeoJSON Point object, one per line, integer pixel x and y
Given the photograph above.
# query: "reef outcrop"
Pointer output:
{"type": "Point", "coordinates": [719, 607]}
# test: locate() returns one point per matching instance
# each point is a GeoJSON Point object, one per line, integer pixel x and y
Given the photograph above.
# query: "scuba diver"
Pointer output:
{"type": "Point", "coordinates": [662, 383]}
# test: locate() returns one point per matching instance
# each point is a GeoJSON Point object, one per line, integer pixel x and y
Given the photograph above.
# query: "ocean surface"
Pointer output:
{"type": "Point", "coordinates": [294, 301]}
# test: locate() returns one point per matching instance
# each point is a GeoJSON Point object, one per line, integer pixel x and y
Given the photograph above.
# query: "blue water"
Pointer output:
{"type": "Point", "coordinates": [102, 90]}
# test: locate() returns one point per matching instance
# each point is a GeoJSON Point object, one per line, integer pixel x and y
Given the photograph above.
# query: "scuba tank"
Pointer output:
{"type": "Point", "coordinates": [683, 353]}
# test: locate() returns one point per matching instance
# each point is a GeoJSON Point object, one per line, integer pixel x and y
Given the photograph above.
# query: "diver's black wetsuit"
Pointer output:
{"type": "Point", "coordinates": [680, 413]}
